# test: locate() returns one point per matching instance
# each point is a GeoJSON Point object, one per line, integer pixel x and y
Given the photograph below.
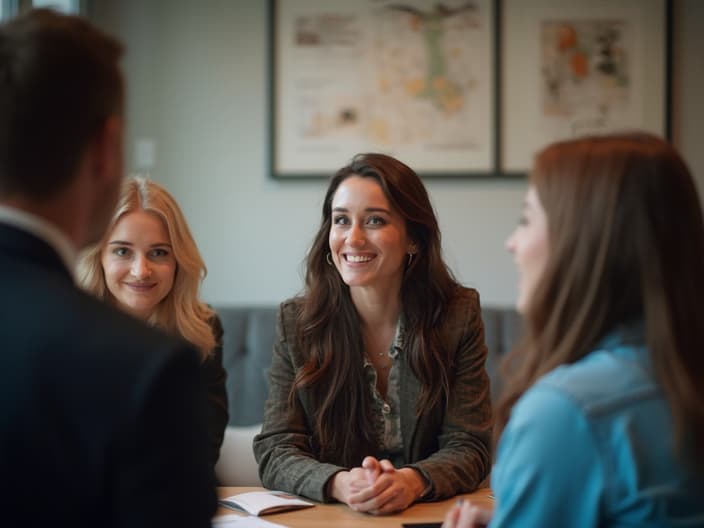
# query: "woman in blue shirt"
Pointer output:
{"type": "Point", "coordinates": [603, 420]}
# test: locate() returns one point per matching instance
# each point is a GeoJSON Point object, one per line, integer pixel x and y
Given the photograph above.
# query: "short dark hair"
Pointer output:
{"type": "Point", "coordinates": [59, 82]}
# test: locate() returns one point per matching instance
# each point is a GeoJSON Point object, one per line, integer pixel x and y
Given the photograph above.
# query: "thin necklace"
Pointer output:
{"type": "Point", "coordinates": [385, 365]}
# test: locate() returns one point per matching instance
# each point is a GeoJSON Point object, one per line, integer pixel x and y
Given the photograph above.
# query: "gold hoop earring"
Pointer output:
{"type": "Point", "coordinates": [328, 258]}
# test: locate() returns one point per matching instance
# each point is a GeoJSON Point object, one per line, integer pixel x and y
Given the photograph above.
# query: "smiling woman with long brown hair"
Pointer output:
{"type": "Point", "coordinates": [378, 392]}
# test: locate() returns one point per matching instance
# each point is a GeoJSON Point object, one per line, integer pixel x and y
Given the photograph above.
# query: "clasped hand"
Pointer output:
{"type": "Point", "coordinates": [377, 487]}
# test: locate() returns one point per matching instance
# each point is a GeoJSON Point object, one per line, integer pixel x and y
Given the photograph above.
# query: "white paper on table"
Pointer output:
{"type": "Point", "coordinates": [239, 521]}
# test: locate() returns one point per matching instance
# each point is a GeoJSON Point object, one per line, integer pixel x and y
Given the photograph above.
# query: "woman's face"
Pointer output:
{"type": "Point", "coordinates": [139, 263]}
{"type": "Point", "coordinates": [368, 238]}
{"type": "Point", "coordinates": [529, 245]}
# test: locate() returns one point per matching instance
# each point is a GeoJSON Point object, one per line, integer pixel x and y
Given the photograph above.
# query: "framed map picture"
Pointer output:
{"type": "Point", "coordinates": [578, 67]}
{"type": "Point", "coordinates": [411, 78]}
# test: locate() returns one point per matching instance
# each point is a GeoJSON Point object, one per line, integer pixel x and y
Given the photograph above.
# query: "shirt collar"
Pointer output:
{"type": "Point", "coordinates": [397, 344]}
{"type": "Point", "coordinates": [627, 339]}
{"type": "Point", "coordinates": [625, 334]}
{"type": "Point", "coordinates": [399, 341]}
{"type": "Point", "coordinates": [43, 230]}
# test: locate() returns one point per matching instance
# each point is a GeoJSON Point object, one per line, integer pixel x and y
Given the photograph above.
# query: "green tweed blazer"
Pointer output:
{"type": "Point", "coordinates": [450, 448]}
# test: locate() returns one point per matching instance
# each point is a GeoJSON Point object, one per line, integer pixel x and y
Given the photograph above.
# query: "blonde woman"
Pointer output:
{"type": "Point", "coordinates": [148, 265]}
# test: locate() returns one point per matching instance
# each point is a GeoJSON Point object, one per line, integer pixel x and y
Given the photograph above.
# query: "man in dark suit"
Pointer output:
{"type": "Point", "coordinates": [101, 418]}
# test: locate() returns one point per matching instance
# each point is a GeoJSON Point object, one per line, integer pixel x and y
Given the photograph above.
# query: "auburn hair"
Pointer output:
{"type": "Point", "coordinates": [626, 242]}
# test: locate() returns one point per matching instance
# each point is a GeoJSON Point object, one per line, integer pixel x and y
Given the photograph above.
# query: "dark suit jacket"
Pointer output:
{"type": "Point", "coordinates": [451, 448]}
{"type": "Point", "coordinates": [102, 419]}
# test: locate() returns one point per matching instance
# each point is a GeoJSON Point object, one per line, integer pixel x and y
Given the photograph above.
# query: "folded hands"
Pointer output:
{"type": "Point", "coordinates": [378, 487]}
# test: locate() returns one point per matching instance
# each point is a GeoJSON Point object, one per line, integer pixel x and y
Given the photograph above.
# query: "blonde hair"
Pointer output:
{"type": "Point", "coordinates": [182, 312]}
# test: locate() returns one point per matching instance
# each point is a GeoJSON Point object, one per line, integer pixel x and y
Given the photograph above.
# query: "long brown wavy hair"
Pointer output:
{"type": "Point", "coordinates": [626, 240]}
{"type": "Point", "coordinates": [329, 328]}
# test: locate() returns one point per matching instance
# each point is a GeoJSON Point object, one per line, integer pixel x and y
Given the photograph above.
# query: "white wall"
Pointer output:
{"type": "Point", "coordinates": [198, 78]}
{"type": "Point", "coordinates": [688, 85]}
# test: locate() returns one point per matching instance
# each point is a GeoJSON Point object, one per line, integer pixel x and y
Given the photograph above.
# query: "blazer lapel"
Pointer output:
{"type": "Point", "coordinates": [17, 244]}
{"type": "Point", "coordinates": [410, 389]}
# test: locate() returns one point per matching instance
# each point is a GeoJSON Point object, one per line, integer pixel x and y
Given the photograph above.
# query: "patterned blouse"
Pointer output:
{"type": "Point", "coordinates": [387, 413]}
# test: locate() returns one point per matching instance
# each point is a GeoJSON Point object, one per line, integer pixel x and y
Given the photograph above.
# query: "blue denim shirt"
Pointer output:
{"type": "Point", "coordinates": [591, 444]}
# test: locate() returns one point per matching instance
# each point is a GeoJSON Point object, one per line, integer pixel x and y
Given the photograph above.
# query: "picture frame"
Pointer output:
{"type": "Point", "coordinates": [579, 67]}
{"type": "Point", "coordinates": [415, 79]}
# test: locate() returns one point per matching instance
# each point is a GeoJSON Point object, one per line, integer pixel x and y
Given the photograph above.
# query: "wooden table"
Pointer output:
{"type": "Point", "coordinates": [341, 516]}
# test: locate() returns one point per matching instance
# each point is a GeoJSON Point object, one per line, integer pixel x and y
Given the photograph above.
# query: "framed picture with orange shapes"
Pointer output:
{"type": "Point", "coordinates": [579, 67]}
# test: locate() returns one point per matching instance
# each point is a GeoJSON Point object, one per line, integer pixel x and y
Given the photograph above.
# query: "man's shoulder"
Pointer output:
{"type": "Point", "coordinates": [99, 318]}
{"type": "Point", "coordinates": [63, 341]}
{"type": "Point", "coordinates": [119, 333]}
{"type": "Point", "coordinates": [52, 310]}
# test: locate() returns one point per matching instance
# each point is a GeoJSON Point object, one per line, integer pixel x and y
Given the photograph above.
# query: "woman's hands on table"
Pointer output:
{"type": "Point", "coordinates": [378, 487]}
